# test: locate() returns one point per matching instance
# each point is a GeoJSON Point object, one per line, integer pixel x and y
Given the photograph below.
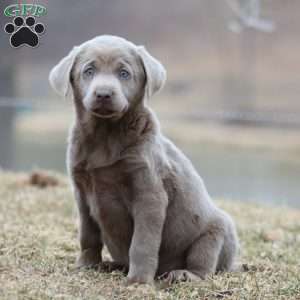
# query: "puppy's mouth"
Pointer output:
{"type": "Point", "coordinates": [107, 113]}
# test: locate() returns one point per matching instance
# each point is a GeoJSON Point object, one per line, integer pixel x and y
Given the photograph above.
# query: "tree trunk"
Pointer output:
{"type": "Point", "coordinates": [6, 91]}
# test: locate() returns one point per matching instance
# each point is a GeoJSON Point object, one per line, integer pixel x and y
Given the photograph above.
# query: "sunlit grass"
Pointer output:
{"type": "Point", "coordinates": [38, 246]}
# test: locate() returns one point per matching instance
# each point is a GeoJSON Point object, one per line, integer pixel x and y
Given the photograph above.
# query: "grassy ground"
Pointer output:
{"type": "Point", "coordinates": [38, 246]}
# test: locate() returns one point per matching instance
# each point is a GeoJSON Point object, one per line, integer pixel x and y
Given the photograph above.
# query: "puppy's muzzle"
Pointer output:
{"type": "Point", "coordinates": [103, 102]}
{"type": "Point", "coordinates": [104, 95]}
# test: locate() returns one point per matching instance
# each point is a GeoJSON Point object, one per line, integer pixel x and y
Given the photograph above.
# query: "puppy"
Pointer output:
{"type": "Point", "coordinates": [136, 192]}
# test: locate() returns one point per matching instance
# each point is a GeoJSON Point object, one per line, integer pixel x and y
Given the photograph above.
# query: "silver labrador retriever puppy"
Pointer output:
{"type": "Point", "coordinates": [135, 191]}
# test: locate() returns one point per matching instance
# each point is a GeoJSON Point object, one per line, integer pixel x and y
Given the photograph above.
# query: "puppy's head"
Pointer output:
{"type": "Point", "coordinates": [107, 75]}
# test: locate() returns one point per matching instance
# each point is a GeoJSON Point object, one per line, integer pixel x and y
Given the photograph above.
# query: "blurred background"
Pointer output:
{"type": "Point", "coordinates": [231, 102]}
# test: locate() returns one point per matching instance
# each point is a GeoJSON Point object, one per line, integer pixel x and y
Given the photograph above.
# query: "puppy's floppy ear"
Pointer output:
{"type": "Point", "coordinates": [155, 72]}
{"type": "Point", "coordinates": [59, 76]}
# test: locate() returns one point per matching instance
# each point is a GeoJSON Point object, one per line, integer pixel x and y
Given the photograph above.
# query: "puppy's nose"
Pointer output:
{"type": "Point", "coordinates": [104, 95]}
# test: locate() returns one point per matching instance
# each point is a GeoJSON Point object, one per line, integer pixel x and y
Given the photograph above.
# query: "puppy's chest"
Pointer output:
{"type": "Point", "coordinates": [109, 196]}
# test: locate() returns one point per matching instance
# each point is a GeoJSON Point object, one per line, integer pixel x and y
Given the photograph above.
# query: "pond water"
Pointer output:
{"type": "Point", "coordinates": [229, 172]}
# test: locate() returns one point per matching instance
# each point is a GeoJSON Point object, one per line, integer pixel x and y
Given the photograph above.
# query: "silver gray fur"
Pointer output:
{"type": "Point", "coordinates": [136, 192]}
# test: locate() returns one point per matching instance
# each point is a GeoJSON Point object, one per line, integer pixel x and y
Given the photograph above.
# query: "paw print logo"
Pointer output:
{"type": "Point", "coordinates": [24, 32]}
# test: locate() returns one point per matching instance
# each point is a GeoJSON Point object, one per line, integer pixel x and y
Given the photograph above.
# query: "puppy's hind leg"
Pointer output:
{"type": "Point", "coordinates": [229, 250]}
{"type": "Point", "coordinates": [202, 257]}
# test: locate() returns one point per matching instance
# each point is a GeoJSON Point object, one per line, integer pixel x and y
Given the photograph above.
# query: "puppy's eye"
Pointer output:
{"type": "Point", "coordinates": [124, 74]}
{"type": "Point", "coordinates": [89, 72]}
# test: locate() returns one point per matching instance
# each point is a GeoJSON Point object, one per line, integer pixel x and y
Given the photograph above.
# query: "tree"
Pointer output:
{"type": "Point", "coordinates": [7, 113]}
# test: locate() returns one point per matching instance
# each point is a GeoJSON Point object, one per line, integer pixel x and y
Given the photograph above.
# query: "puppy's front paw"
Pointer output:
{"type": "Point", "coordinates": [178, 276]}
{"type": "Point", "coordinates": [88, 258]}
{"type": "Point", "coordinates": [139, 280]}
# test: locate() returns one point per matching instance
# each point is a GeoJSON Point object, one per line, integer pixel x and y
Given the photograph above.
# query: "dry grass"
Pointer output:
{"type": "Point", "coordinates": [38, 246]}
